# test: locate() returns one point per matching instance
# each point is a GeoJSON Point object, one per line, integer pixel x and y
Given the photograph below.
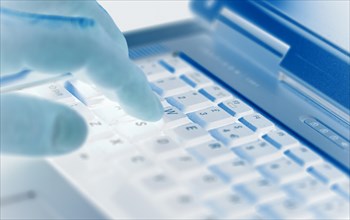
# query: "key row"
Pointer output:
{"type": "Point", "coordinates": [208, 118]}
{"type": "Point", "coordinates": [256, 197]}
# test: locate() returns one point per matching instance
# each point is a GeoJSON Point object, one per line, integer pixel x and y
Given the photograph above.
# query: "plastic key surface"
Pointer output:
{"type": "Point", "coordinates": [234, 134]}
{"type": "Point", "coordinates": [215, 93]}
{"type": "Point", "coordinates": [160, 146]}
{"type": "Point", "coordinates": [257, 152]}
{"type": "Point", "coordinates": [281, 139]}
{"type": "Point", "coordinates": [236, 107]}
{"type": "Point", "coordinates": [51, 91]}
{"type": "Point", "coordinates": [134, 162]}
{"type": "Point", "coordinates": [303, 156]}
{"type": "Point", "coordinates": [153, 70]}
{"type": "Point", "coordinates": [158, 182]}
{"type": "Point", "coordinates": [169, 86]}
{"type": "Point", "coordinates": [176, 65]}
{"type": "Point", "coordinates": [210, 152]}
{"type": "Point", "coordinates": [189, 134]}
{"type": "Point", "coordinates": [82, 110]}
{"type": "Point", "coordinates": [260, 190]}
{"type": "Point", "coordinates": [285, 208]}
{"type": "Point", "coordinates": [257, 123]}
{"type": "Point", "coordinates": [174, 117]}
{"type": "Point", "coordinates": [231, 205]}
{"type": "Point", "coordinates": [343, 189]}
{"type": "Point", "coordinates": [282, 170]}
{"type": "Point", "coordinates": [332, 208]}
{"type": "Point", "coordinates": [327, 173]}
{"type": "Point", "coordinates": [110, 113]}
{"type": "Point", "coordinates": [189, 101]}
{"type": "Point", "coordinates": [183, 203]}
{"type": "Point", "coordinates": [206, 183]}
{"type": "Point", "coordinates": [138, 129]}
{"type": "Point", "coordinates": [98, 130]}
{"type": "Point", "coordinates": [183, 164]}
{"type": "Point", "coordinates": [308, 189]}
{"type": "Point", "coordinates": [196, 79]}
{"type": "Point", "coordinates": [84, 92]}
{"type": "Point", "coordinates": [211, 117]}
{"type": "Point", "coordinates": [235, 170]}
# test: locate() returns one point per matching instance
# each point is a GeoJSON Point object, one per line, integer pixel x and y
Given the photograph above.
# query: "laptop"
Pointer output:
{"type": "Point", "coordinates": [256, 123]}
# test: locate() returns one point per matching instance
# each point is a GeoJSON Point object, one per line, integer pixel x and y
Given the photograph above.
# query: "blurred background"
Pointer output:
{"type": "Point", "coordinates": [131, 15]}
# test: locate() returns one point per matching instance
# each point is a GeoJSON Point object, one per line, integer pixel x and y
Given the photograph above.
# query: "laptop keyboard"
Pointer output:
{"type": "Point", "coordinates": [212, 156]}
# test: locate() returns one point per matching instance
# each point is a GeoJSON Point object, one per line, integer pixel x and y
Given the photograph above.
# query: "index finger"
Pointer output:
{"type": "Point", "coordinates": [56, 44]}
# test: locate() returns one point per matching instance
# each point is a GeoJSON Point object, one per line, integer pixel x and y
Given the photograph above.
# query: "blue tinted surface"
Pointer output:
{"type": "Point", "coordinates": [314, 58]}
{"type": "Point", "coordinates": [329, 19]}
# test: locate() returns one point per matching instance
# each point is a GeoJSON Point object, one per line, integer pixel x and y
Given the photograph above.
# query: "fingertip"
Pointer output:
{"type": "Point", "coordinates": [36, 127]}
{"type": "Point", "coordinates": [69, 133]}
{"type": "Point", "coordinates": [156, 111]}
{"type": "Point", "coordinates": [138, 99]}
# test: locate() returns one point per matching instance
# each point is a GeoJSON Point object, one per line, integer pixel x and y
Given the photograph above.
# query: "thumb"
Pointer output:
{"type": "Point", "coordinates": [37, 127]}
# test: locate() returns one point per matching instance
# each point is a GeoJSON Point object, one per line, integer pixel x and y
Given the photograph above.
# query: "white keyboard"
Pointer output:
{"type": "Point", "coordinates": [212, 156]}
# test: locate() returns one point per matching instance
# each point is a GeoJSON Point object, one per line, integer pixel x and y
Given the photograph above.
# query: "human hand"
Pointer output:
{"type": "Point", "coordinates": [56, 37]}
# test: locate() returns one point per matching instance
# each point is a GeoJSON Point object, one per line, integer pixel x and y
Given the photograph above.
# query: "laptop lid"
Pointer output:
{"type": "Point", "coordinates": [311, 39]}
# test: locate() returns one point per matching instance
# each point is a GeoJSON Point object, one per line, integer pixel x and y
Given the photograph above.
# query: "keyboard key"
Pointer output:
{"type": "Point", "coordinates": [110, 148]}
{"type": "Point", "coordinates": [183, 164]}
{"type": "Point", "coordinates": [98, 130]}
{"type": "Point", "coordinates": [282, 170]}
{"type": "Point", "coordinates": [169, 86]}
{"type": "Point", "coordinates": [82, 110]}
{"type": "Point", "coordinates": [135, 162]}
{"type": "Point", "coordinates": [231, 205]}
{"type": "Point", "coordinates": [153, 70]}
{"type": "Point", "coordinates": [285, 209]}
{"type": "Point", "coordinates": [51, 91]}
{"type": "Point", "coordinates": [236, 170]}
{"type": "Point", "coordinates": [257, 123]}
{"type": "Point", "coordinates": [137, 129]}
{"type": "Point", "coordinates": [189, 101]}
{"type": "Point", "coordinates": [189, 134]}
{"type": "Point", "coordinates": [166, 66]}
{"type": "Point", "coordinates": [160, 146]}
{"type": "Point", "coordinates": [236, 108]}
{"type": "Point", "coordinates": [163, 101]}
{"type": "Point", "coordinates": [173, 117]}
{"type": "Point", "coordinates": [234, 134]}
{"type": "Point", "coordinates": [260, 190]}
{"type": "Point", "coordinates": [303, 156]}
{"type": "Point", "coordinates": [176, 65]}
{"type": "Point", "coordinates": [206, 184]}
{"type": "Point", "coordinates": [211, 117]}
{"type": "Point", "coordinates": [308, 189]}
{"type": "Point", "coordinates": [343, 189]}
{"type": "Point", "coordinates": [196, 79]}
{"type": "Point", "coordinates": [110, 113]}
{"type": "Point", "coordinates": [332, 208]}
{"type": "Point", "coordinates": [81, 164]}
{"type": "Point", "coordinates": [281, 139]}
{"type": "Point", "coordinates": [327, 173]}
{"type": "Point", "coordinates": [159, 183]}
{"type": "Point", "coordinates": [215, 93]}
{"type": "Point", "coordinates": [183, 204]}
{"type": "Point", "coordinates": [210, 152]}
{"type": "Point", "coordinates": [257, 152]}
{"type": "Point", "coordinates": [84, 92]}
